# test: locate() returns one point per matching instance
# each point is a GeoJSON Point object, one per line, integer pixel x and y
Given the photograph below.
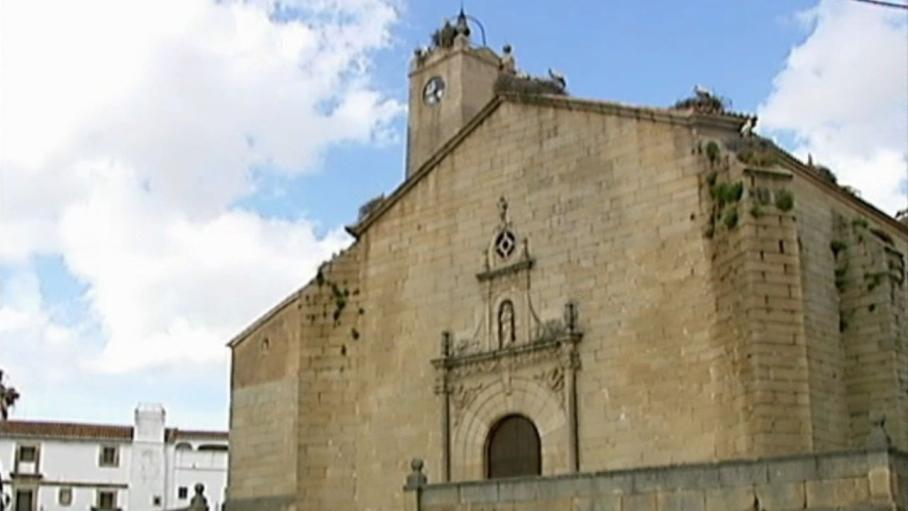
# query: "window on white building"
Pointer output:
{"type": "Point", "coordinates": [182, 492]}
{"type": "Point", "coordinates": [65, 496]}
{"type": "Point", "coordinates": [156, 501]}
{"type": "Point", "coordinates": [109, 456]}
{"type": "Point", "coordinates": [107, 499]}
{"type": "Point", "coordinates": [28, 453]}
{"type": "Point", "coordinates": [213, 447]}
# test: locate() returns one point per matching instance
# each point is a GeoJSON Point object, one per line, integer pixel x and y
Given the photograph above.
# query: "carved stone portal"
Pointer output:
{"type": "Point", "coordinates": [513, 363]}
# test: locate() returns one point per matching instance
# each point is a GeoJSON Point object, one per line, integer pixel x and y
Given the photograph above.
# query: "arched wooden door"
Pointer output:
{"type": "Point", "coordinates": [513, 448]}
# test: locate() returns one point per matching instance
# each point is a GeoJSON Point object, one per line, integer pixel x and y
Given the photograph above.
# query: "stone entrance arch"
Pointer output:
{"type": "Point", "coordinates": [526, 397]}
{"type": "Point", "coordinates": [510, 363]}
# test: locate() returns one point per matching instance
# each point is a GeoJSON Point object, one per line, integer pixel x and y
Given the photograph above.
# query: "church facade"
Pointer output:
{"type": "Point", "coordinates": [564, 287]}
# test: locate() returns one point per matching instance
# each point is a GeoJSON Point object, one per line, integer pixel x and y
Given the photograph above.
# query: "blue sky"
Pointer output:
{"type": "Point", "coordinates": [634, 52]}
{"type": "Point", "coordinates": [161, 193]}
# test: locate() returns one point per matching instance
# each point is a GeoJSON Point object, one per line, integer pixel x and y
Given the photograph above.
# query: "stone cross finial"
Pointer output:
{"type": "Point", "coordinates": [570, 316]}
{"type": "Point", "coordinates": [445, 344]}
{"type": "Point", "coordinates": [503, 209]}
{"type": "Point", "coordinates": [462, 27]}
{"type": "Point", "coordinates": [416, 479]}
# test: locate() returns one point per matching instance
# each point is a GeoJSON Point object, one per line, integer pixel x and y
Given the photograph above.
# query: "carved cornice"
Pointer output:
{"type": "Point", "coordinates": [523, 264]}
{"type": "Point", "coordinates": [521, 352]}
{"type": "Point", "coordinates": [775, 172]}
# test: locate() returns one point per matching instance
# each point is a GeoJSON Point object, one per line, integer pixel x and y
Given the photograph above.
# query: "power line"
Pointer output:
{"type": "Point", "coordinates": [884, 3]}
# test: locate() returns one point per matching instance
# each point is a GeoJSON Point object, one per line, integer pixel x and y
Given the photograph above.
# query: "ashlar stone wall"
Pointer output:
{"type": "Point", "coordinates": [710, 320]}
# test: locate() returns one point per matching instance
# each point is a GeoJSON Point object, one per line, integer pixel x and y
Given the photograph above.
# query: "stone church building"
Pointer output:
{"type": "Point", "coordinates": [575, 304]}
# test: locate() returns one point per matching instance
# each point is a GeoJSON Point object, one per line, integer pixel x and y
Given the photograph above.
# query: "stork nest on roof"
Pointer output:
{"type": "Point", "coordinates": [370, 206]}
{"type": "Point", "coordinates": [826, 173]}
{"type": "Point", "coordinates": [528, 85]}
{"type": "Point", "coordinates": [704, 103]}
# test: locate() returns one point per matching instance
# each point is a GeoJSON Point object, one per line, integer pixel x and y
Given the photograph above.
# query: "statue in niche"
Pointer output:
{"type": "Point", "coordinates": [506, 330]}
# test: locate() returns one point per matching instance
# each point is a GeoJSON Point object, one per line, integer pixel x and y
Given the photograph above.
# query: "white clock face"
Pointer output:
{"type": "Point", "coordinates": [433, 91]}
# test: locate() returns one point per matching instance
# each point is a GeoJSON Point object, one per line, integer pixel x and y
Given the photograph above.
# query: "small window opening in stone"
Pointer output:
{"type": "Point", "coordinates": [266, 345]}
{"type": "Point", "coordinates": [505, 243]}
{"type": "Point", "coordinates": [506, 326]}
{"type": "Point", "coordinates": [513, 448]}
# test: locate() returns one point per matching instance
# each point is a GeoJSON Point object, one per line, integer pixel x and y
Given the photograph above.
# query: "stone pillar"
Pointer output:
{"type": "Point", "coordinates": [443, 389]}
{"type": "Point", "coordinates": [415, 481]}
{"type": "Point", "coordinates": [870, 278]}
{"type": "Point", "coordinates": [760, 312]}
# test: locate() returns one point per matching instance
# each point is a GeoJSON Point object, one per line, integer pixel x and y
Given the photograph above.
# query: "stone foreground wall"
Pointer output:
{"type": "Point", "coordinates": [854, 480]}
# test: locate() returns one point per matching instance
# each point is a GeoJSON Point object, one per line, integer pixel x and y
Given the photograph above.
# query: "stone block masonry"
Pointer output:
{"type": "Point", "coordinates": [723, 312]}
{"type": "Point", "coordinates": [713, 327]}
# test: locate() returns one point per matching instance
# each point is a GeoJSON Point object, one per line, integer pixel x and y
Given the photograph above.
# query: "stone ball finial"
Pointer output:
{"type": "Point", "coordinates": [508, 63]}
{"type": "Point", "coordinates": [416, 479]}
{"type": "Point", "coordinates": [199, 502]}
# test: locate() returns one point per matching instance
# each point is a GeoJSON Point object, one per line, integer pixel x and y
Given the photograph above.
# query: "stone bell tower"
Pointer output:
{"type": "Point", "coordinates": [449, 83]}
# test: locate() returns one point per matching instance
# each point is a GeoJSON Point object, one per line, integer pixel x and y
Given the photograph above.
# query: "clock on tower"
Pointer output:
{"type": "Point", "coordinates": [450, 82]}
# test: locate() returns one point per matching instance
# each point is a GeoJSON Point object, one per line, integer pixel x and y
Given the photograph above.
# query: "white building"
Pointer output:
{"type": "Point", "coordinates": [52, 466]}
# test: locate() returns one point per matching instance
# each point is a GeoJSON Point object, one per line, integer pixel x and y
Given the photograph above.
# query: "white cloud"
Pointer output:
{"type": "Point", "coordinates": [29, 336]}
{"type": "Point", "coordinates": [843, 95]}
{"type": "Point", "coordinates": [128, 131]}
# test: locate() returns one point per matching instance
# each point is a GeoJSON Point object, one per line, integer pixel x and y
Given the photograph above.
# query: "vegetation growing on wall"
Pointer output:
{"type": "Point", "coordinates": [784, 200]}
{"type": "Point", "coordinates": [837, 246]}
{"type": "Point", "coordinates": [841, 274]}
{"type": "Point", "coordinates": [712, 152]}
{"type": "Point", "coordinates": [340, 297]}
{"type": "Point", "coordinates": [754, 150]}
{"type": "Point", "coordinates": [860, 222]}
{"type": "Point", "coordinates": [725, 198]}
{"type": "Point", "coordinates": [875, 279]}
